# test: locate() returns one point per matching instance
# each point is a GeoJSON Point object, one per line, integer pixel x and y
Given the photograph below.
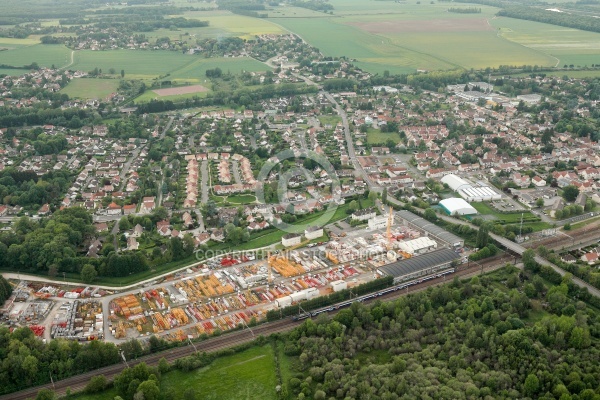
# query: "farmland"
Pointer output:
{"type": "Point", "coordinates": [45, 55]}
{"type": "Point", "coordinates": [91, 88]}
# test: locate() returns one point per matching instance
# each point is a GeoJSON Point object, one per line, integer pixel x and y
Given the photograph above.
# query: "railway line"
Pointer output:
{"type": "Point", "coordinates": [78, 382]}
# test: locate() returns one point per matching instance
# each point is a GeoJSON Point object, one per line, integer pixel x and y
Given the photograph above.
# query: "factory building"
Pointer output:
{"type": "Point", "coordinates": [418, 266]}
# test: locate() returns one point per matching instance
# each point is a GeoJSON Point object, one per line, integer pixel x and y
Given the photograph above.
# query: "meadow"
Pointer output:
{"type": "Point", "coordinates": [90, 88]}
{"type": "Point", "coordinates": [247, 375]}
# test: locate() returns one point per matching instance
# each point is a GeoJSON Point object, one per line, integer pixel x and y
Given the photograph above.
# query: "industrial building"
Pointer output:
{"type": "Point", "coordinates": [416, 267]}
{"type": "Point", "coordinates": [291, 239]}
{"type": "Point", "coordinates": [313, 232]}
{"type": "Point", "coordinates": [431, 229]}
{"type": "Point", "coordinates": [378, 222]}
{"type": "Point", "coordinates": [467, 191]}
{"type": "Point", "coordinates": [418, 246]}
{"type": "Point", "coordinates": [456, 206]}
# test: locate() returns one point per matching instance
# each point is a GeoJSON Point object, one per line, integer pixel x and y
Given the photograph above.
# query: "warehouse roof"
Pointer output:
{"type": "Point", "coordinates": [456, 205]}
{"type": "Point", "coordinates": [418, 263]}
{"type": "Point", "coordinates": [432, 229]}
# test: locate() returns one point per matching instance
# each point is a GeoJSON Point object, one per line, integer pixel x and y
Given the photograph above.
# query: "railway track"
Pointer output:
{"type": "Point", "coordinates": [78, 382]}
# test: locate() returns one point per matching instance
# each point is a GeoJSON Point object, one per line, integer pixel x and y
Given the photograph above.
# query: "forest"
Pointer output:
{"type": "Point", "coordinates": [510, 334]}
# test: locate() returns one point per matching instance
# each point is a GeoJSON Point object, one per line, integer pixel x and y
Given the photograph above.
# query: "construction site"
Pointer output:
{"type": "Point", "coordinates": [228, 292]}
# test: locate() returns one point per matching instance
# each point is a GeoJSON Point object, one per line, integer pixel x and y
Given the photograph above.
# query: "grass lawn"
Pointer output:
{"type": "Point", "coordinates": [375, 136]}
{"type": "Point", "coordinates": [248, 375]}
{"type": "Point", "coordinates": [529, 220]}
{"type": "Point", "coordinates": [90, 88]}
{"type": "Point", "coordinates": [241, 199]}
{"type": "Point", "coordinates": [329, 120]}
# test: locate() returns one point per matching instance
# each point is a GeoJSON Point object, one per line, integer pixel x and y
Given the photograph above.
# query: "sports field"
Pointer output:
{"type": "Point", "coordinates": [90, 88]}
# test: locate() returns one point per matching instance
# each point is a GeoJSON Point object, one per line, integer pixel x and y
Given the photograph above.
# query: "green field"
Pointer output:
{"type": "Point", "coordinates": [44, 55]}
{"type": "Point", "coordinates": [566, 45]}
{"type": "Point", "coordinates": [90, 88]}
{"type": "Point", "coordinates": [241, 199]}
{"type": "Point", "coordinates": [247, 375]}
{"type": "Point", "coordinates": [375, 136]}
{"type": "Point", "coordinates": [13, 72]}
{"type": "Point", "coordinates": [136, 63]}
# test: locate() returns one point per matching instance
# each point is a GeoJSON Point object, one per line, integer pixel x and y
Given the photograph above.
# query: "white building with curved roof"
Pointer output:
{"type": "Point", "coordinates": [456, 206]}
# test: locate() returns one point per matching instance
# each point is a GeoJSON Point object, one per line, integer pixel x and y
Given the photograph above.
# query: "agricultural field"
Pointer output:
{"type": "Point", "coordinates": [566, 45]}
{"type": "Point", "coordinates": [88, 88]}
{"type": "Point", "coordinates": [136, 63]}
{"type": "Point", "coordinates": [45, 55]}
{"type": "Point", "coordinates": [402, 37]}
{"type": "Point", "coordinates": [12, 71]}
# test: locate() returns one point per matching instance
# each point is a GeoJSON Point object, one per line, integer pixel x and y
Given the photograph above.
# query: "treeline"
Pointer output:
{"type": "Point", "coordinates": [26, 361]}
{"type": "Point", "coordinates": [437, 79]}
{"type": "Point", "coordinates": [576, 21]}
{"type": "Point", "coordinates": [70, 117]}
{"type": "Point", "coordinates": [241, 7]}
{"type": "Point", "coordinates": [333, 298]}
{"type": "Point", "coordinates": [340, 84]}
{"type": "Point", "coordinates": [5, 289]}
{"type": "Point", "coordinates": [33, 65]}
{"type": "Point", "coordinates": [468, 339]}
{"type": "Point", "coordinates": [313, 5]}
{"type": "Point", "coordinates": [226, 98]}
{"type": "Point", "coordinates": [465, 10]}
{"type": "Point", "coordinates": [141, 24]}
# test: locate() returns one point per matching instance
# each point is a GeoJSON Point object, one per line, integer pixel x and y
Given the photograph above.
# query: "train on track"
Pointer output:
{"type": "Point", "coordinates": [360, 299]}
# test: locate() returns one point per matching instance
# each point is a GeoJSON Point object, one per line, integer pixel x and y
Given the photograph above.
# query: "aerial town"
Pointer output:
{"type": "Point", "coordinates": [299, 199]}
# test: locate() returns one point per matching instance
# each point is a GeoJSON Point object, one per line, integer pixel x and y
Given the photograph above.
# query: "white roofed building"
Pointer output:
{"type": "Point", "coordinates": [456, 206]}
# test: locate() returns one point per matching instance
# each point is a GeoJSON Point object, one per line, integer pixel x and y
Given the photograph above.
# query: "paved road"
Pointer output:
{"type": "Point", "coordinates": [236, 171]}
{"type": "Point", "coordinates": [350, 144]}
{"type": "Point", "coordinates": [204, 183]}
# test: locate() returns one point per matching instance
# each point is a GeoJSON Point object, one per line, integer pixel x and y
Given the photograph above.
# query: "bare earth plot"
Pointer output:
{"type": "Point", "coordinates": [181, 90]}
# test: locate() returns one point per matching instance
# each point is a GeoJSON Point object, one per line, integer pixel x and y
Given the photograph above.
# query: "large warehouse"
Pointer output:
{"type": "Point", "coordinates": [418, 266]}
{"type": "Point", "coordinates": [456, 206]}
{"type": "Point", "coordinates": [467, 191]}
{"type": "Point", "coordinates": [432, 229]}
{"type": "Point", "coordinates": [418, 246]}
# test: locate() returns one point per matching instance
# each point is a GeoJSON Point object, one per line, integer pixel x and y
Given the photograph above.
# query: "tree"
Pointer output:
{"type": "Point", "coordinates": [45, 394]}
{"type": "Point", "coordinates": [124, 224]}
{"type": "Point", "coordinates": [88, 273]}
{"type": "Point", "coordinates": [531, 385]}
{"type": "Point", "coordinates": [150, 390]}
{"type": "Point", "coordinates": [353, 206]}
{"type": "Point", "coordinates": [122, 73]}
{"type": "Point", "coordinates": [570, 193]}
{"type": "Point", "coordinates": [430, 214]}
{"type": "Point", "coordinates": [97, 384]}
{"type": "Point", "coordinates": [539, 203]}
{"type": "Point", "coordinates": [372, 196]}
{"type": "Point", "coordinates": [483, 236]}
{"type": "Point", "coordinates": [384, 196]}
